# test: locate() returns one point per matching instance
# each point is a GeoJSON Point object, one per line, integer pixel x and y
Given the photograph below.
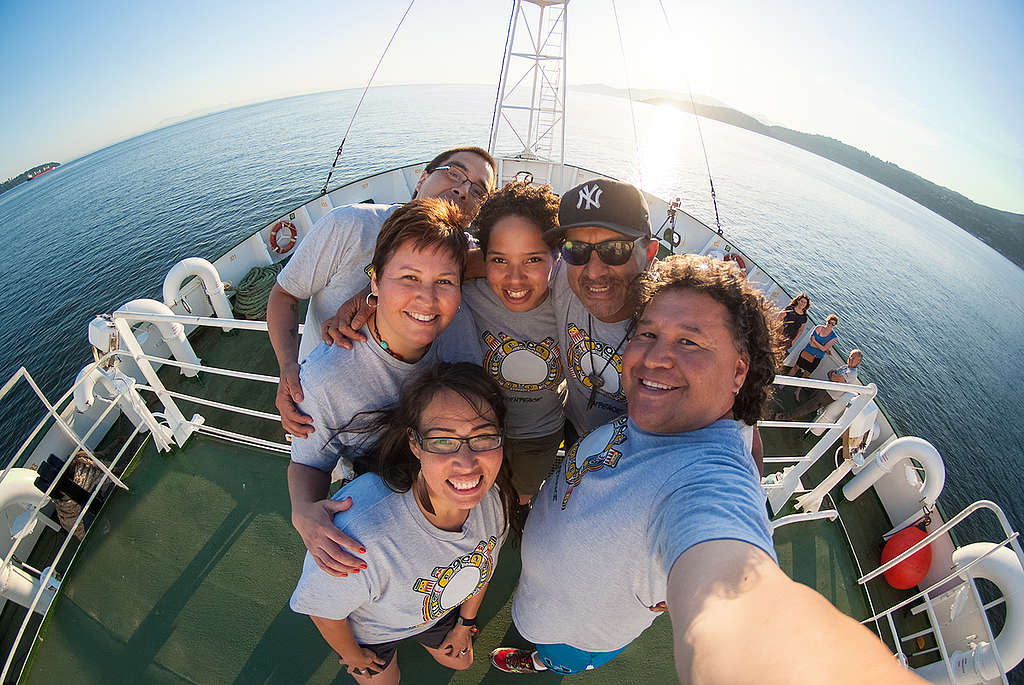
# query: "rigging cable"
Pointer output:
{"type": "Point", "coordinates": [323, 191]}
{"type": "Point", "coordinates": [629, 97]}
{"type": "Point", "coordinates": [693, 109]}
{"type": "Point", "coordinates": [501, 75]}
{"type": "Point", "coordinates": [700, 133]}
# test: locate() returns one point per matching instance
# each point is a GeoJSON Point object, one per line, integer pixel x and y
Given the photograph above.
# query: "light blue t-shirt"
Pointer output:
{"type": "Point", "coordinates": [604, 532]}
{"type": "Point", "coordinates": [415, 572]}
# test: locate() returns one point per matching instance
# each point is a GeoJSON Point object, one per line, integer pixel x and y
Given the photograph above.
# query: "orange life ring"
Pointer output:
{"type": "Point", "coordinates": [283, 246]}
{"type": "Point", "coordinates": [733, 257]}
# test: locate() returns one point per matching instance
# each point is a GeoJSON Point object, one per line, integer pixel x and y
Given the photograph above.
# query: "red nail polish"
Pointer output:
{"type": "Point", "coordinates": [362, 565]}
{"type": "Point", "coordinates": [362, 550]}
{"type": "Point", "coordinates": [355, 570]}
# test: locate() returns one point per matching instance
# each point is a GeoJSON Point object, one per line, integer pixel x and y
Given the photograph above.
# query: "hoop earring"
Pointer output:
{"type": "Point", "coordinates": [371, 304]}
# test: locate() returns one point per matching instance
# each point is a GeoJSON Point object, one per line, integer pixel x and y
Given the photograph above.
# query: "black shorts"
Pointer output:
{"type": "Point", "coordinates": [432, 637]}
{"type": "Point", "coordinates": [808, 366]}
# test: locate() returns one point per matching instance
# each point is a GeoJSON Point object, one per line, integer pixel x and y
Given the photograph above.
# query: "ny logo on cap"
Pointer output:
{"type": "Point", "coordinates": [591, 195]}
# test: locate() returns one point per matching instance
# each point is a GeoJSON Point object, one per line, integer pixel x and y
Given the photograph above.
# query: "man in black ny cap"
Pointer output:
{"type": "Point", "coordinates": [605, 236]}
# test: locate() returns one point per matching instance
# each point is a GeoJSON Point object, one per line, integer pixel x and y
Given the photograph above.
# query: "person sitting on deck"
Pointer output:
{"type": "Point", "coordinates": [339, 245]}
{"type": "Point", "coordinates": [438, 499]}
{"type": "Point", "coordinates": [847, 373]}
{"type": "Point", "coordinates": [662, 508]}
{"type": "Point", "coordinates": [417, 271]}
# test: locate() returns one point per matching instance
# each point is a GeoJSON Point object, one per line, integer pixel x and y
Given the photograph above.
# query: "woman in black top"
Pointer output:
{"type": "Point", "coordinates": [793, 318]}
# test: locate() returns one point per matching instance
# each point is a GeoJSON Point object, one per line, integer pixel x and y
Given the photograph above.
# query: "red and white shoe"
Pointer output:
{"type": "Point", "coordinates": [512, 660]}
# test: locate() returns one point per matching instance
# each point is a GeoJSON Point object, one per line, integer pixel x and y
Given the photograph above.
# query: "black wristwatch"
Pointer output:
{"type": "Point", "coordinates": [468, 622]}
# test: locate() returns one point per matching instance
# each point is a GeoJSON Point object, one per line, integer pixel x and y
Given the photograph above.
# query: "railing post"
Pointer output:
{"type": "Point", "coordinates": [180, 428]}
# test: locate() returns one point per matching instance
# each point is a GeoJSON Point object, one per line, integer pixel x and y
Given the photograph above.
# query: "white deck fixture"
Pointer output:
{"type": "Point", "coordinates": [982, 663]}
{"type": "Point", "coordinates": [207, 274]}
{"type": "Point", "coordinates": [531, 92]}
{"type": "Point", "coordinates": [18, 489]}
{"type": "Point", "coordinates": [119, 386]}
{"type": "Point", "coordinates": [887, 458]}
{"type": "Point", "coordinates": [22, 587]}
{"type": "Point", "coordinates": [173, 333]}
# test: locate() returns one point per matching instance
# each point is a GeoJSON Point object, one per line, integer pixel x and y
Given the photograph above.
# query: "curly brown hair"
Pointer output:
{"type": "Point", "coordinates": [537, 204]}
{"type": "Point", "coordinates": [752, 319]}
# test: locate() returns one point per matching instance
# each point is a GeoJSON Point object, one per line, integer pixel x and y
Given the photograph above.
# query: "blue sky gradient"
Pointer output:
{"type": "Point", "coordinates": [937, 88]}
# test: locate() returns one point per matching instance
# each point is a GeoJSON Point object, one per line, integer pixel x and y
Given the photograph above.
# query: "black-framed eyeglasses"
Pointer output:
{"type": "Point", "coordinates": [611, 252]}
{"type": "Point", "coordinates": [458, 177]}
{"type": "Point", "coordinates": [449, 444]}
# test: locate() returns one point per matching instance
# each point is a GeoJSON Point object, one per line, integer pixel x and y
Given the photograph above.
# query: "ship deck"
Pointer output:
{"type": "Point", "coordinates": [186, 577]}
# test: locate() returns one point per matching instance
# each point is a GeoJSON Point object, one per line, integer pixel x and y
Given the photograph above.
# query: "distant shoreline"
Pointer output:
{"type": "Point", "coordinates": [1000, 230]}
{"type": "Point", "coordinates": [27, 176]}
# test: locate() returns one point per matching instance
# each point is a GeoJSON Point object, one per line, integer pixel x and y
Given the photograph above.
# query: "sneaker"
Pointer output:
{"type": "Point", "coordinates": [512, 660]}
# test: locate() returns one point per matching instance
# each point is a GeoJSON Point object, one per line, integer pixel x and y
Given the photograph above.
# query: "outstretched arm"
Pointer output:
{"type": "Point", "coordinates": [283, 327]}
{"type": "Point", "coordinates": [790, 633]}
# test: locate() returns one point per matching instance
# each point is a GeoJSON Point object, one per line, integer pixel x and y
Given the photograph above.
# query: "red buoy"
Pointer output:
{"type": "Point", "coordinates": [912, 570]}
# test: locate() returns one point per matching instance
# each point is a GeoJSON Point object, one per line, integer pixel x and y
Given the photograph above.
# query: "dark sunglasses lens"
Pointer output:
{"type": "Point", "coordinates": [614, 252]}
{"type": "Point", "coordinates": [576, 253]}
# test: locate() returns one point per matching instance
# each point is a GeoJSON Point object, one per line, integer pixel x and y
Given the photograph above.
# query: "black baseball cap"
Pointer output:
{"type": "Point", "coordinates": [609, 204]}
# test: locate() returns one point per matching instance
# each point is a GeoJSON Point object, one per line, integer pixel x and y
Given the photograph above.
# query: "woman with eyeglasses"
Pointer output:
{"type": "Point", "coordinates": [438, 503]}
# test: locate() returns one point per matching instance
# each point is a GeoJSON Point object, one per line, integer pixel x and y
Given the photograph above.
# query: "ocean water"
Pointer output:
{"type": "Point", "coordinates": [938, 314]}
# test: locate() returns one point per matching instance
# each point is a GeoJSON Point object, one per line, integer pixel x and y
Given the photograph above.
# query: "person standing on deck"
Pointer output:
{"type": "Point", "coordinates": [604, 230]}
{"type": "Point", "coordinates": [340, 244]}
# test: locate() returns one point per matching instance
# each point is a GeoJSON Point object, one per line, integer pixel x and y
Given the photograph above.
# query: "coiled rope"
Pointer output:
{"type": "Point", "coordinates": [254, 290]}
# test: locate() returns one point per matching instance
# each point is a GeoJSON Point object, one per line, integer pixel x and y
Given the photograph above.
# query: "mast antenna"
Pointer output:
{"type": "Point", "coordinates": [531, 91]}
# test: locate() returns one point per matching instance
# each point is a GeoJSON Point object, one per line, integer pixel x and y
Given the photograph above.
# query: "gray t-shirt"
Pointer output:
{"type": "Point", "coordinates": [328, 265]}
{"type": "Point", "coordinates": [520, 352]}
{"type": "Point", "coordinates": [623, 507]}
{"type": "Point", "coordinates": [415, 573]}
{"type": "Point", "coordinates": [588, 346]}
{"type": "Point", "coordinates": [337, 384]}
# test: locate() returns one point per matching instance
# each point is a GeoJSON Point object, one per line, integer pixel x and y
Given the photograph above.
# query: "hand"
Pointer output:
{"type": "Point", "coordinates": [315, 523]}
{"type": "Point", "coordinates": [458, 643]}
{"type": "Point", "coordinates": [358, 662]}
{"type": "Point", "coordinates": [289, 394]}
{"type": "Point", "coordinates": [343, 328]}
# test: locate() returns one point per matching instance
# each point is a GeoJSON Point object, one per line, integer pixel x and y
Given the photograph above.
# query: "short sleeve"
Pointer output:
{"type": "Point", "coordinates": [722, 500]}
{"type": "Point", "coordinates": [326, 596]}
{"type": "Point", "coordinates": [311, 267]}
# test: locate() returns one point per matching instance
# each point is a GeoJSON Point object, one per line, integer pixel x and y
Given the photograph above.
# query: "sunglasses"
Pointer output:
{"type": "Point", "coordinates": [611, 252]}
{"type": "Point", "coordinates": [451, 444]}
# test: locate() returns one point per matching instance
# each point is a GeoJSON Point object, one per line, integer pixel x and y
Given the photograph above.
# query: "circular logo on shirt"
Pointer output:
{"type": "Point", "coordinates": [449, 586]}
{"type": "Point", "coordinates": [522, 366]}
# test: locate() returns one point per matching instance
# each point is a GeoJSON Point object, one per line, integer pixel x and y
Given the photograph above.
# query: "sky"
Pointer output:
{"type": "Point", "coordinates": [935, 87]}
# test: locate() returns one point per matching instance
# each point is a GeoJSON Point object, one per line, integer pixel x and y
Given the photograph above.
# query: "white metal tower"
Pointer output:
{"type": "Point", "coordinates": [529, 113]}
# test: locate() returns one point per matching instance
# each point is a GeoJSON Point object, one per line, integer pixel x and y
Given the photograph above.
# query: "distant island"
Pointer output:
{"type": "Point", "coordinates": [1002, 231]}
{"type": "Point", "coordinates": [27, 175]}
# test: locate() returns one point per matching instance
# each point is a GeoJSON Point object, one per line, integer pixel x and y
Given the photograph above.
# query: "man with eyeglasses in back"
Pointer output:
{"type": "Point", "coordinates": [339, 245]}
{"type": "Point", "coordinates": [606, 242]}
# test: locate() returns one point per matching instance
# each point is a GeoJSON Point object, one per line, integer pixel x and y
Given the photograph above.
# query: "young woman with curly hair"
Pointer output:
{"type": "Point", "coordinates": [516, 324]}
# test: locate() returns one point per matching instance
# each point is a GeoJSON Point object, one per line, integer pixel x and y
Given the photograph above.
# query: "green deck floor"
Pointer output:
{"type": "Point", "coordinates": [186, 577]}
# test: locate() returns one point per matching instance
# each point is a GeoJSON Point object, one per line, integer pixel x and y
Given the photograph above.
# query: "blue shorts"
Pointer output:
{"type": "Point", "coordinates": [567, 659]}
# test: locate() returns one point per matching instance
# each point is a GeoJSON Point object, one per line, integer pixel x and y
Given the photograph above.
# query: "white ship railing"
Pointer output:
{"type": "Point", "coordinates": [79, 446]}
{"type": "Point", "coordinates": [959, 575]}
